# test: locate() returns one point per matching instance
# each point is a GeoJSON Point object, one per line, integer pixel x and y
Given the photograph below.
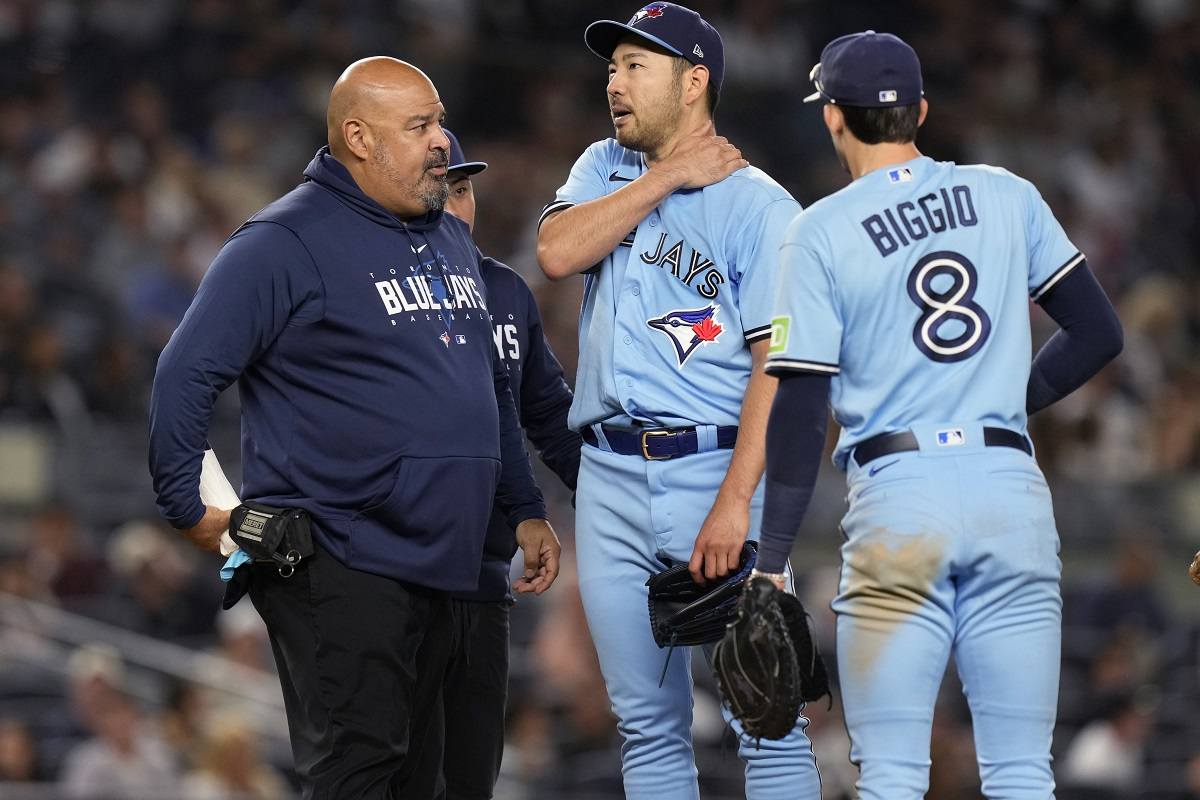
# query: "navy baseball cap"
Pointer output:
{"type": "Point", "coordinates": [676, 29]}
{"type": "Point", "coordinates": [869, 70]}
{"type": "Point", "coordinates": [458, 161]}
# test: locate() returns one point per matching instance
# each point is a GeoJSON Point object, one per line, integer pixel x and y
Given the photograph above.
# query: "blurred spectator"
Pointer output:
{"type": "Point", "coordinates": [1132, 597]}
{"type": "Point", "coordinates": [96, 678]}
{"type": "Point", "coordinates": [160, 592]}
{"type": "Point", "coordinates": [1108, 753]}
{"type": "Point", "coordinates": [121, 761]}
{"type": "Point", "coordinates": [18, 753]}
{"type": "Point", "coordinates": [181, 723]}
{"type": "Point", "coordinates": [231, 766]}
{"type": "Point", "coordinates": [59, 555]}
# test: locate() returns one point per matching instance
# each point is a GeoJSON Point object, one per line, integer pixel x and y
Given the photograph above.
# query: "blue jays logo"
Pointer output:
{"type": "Point", "coordinates": [653, 10]}
{"type": "Point", "coordinates": [689, 329]}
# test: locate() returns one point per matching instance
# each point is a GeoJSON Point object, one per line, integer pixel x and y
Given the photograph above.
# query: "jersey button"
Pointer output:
{"type": "Point", "coordinates": [627, 339]}
{"type": "Point", "coordinates": [636, 291]}
{"type": "Point", "coordinates": [653, 222]}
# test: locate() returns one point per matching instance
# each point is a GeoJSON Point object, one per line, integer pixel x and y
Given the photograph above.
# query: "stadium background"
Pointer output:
{"type": "Point", "coordinates": [135, 135]}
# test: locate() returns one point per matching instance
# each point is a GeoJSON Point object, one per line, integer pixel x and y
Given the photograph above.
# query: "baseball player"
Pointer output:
{"type": "Point", "coordinates": [476, 685]}
{"type": "Point", "coordinates": [678, 238]}
{"type": "Point", "coordinates": [903, 302]}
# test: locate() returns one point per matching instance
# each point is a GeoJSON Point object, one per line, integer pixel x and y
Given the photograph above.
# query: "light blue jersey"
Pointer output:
{"type": "Point", "coordinates": [664, 341]}
{"type": "Point", "coordinates": [911, 287]}
{"type": "Point", "coordinates": [668, 315]}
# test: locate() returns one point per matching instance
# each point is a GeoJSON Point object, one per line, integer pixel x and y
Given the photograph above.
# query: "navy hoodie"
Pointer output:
{"type": "Point", "coordinates": [370, 388]}
{"type": "Point", "coordinates": [543, 400]}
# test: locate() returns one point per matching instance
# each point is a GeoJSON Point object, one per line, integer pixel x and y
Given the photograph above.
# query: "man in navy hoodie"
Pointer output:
{"type": "Point", "coordinates": [476, 686]}
{"type": "Point", "coordinates": [352, 314]}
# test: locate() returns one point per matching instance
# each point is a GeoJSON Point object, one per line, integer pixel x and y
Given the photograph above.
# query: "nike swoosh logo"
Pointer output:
{"type": "Point", "coordinates": [616, 177]}
{"type": "Point", "coordinates": [876, 470]}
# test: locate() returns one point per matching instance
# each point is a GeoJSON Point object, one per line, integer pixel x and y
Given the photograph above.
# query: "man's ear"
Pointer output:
{"type": "Point", "coordinates": [924, 111]}
{"type": "Point", "coordinates": [697, 84]}
{"type": "Point", "coordinates": [834, 120]}
{"type": "Point", "coordinates": [358, 138]}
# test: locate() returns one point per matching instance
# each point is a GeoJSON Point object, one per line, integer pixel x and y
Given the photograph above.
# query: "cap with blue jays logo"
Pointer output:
{"type": "Point", "coordinates": [867, 70]}
{"type": "Point", "coordinates": [458, 161]}
{"type": "Point", "coordinates": [676, 29]}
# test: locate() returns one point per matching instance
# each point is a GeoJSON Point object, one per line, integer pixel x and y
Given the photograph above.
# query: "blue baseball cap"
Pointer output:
{"type": "Point", "coordinates": [869, 70]}
{"type": "Point", "coordinates": [676, 29]}
{"type": "Point", "coordinates": [458, 161]}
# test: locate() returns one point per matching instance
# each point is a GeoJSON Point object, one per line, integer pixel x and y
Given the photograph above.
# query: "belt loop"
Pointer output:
{"type": "Point", "coordinates": [601, 439]}
{"type": "Point", "coordinates": [706, 438]}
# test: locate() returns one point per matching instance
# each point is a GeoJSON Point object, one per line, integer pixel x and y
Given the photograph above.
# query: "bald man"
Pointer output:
{"type": "Point", "coordinates": [352, 314]}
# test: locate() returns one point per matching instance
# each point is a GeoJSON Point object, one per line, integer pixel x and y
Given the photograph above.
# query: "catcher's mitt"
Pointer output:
{"type": "Point", "coordinates": [767, 665]}
{"type": "Point", "coordinates": [1194, 569]}
{"type": "Point", "coordinates": [683, 613]}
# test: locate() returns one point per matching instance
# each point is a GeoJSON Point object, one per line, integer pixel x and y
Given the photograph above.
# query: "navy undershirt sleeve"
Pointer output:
{"type": "Point", "coordinates": [795, 441]}
{"type": "Point", "coordinates": [517, 495]}
{"type": "Point", "coordinates": [545, 400]}
{"type": "Point", "coordinates": [1089, 338]}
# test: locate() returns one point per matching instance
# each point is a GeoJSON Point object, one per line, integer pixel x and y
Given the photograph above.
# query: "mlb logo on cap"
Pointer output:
{"type": "Point", "coordinates": [867, 70]}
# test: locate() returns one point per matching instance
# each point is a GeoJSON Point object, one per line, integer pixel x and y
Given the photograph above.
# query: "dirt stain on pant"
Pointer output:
{"type": "Point", "coordinates": [890, 580]}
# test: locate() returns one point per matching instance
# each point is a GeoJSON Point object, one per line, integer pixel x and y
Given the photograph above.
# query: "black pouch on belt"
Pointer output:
{"type": "Point", "coordinates": [281, 536]}
{"type": "Point", "coordinates": [269, 535]}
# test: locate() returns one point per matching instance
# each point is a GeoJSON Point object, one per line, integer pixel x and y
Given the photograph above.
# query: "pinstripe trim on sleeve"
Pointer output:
{"type": "Point", "coordinates": [775, 365]}
{"type": "Point", "coordinates": [552, 207]}
{"type": "Point", "coordinates": [754, 334]}
{"type": "Point", "coordinates": [1060, 273]}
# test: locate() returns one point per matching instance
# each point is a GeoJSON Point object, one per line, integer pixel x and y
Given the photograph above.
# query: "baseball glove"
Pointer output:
{"type": "Point", "coordinates": [1194, 569]}
{"type": "Point", "coordinates": [767, 665]}
{"type": "Point", "coordinates": [683, 613]}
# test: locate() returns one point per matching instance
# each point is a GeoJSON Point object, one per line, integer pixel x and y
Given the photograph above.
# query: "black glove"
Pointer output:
{"type": "Point", "coordinates": [683, 613]}
{"type": "Point", "coordinates": [767, 665]}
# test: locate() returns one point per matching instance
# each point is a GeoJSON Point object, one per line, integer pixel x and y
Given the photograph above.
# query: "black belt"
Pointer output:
{"type": "Point", "coordinates": [887, 443]}
{"type": "Point", "coordinates": [659, 444]}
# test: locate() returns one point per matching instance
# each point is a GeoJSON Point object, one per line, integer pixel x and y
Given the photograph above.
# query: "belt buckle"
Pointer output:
{"type": "Point", "coordinates": [645, 444]}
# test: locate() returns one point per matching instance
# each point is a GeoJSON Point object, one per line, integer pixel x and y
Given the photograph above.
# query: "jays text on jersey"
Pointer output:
{"type": "Point", "coordinates": [667, 315]}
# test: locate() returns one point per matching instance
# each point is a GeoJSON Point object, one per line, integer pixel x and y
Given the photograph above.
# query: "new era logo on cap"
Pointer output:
{"type": "Point", "coordinates": [698, 52]}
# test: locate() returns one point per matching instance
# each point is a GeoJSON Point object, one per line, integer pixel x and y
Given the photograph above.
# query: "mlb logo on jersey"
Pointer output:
{"type": "Point", "coordinates": [689, 328]}
{"type": "Point", "coordinates": [952, 437]}
{"type": "Point", "coordinates": [901, 175]}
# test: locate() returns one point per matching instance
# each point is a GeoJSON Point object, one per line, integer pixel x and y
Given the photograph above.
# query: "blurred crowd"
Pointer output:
{"type": "Point", "coordinates": [135, 136]}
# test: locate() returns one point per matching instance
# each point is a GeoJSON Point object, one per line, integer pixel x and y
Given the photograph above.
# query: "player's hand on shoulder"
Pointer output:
{"type": "Point", "coordinates": [541, 549]}
{"type": "Point", "coordinates": [206, 534]}
{"type": "Point", "coordinates": [702, 159]}
{"type": "Point", "coordinates": [718, 549]}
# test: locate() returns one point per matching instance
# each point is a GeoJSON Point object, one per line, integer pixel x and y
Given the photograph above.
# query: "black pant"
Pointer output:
{"type": "Point", "coordinates": [475, 692]}
{"type": "Point", "coordinates": [361, 659]}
